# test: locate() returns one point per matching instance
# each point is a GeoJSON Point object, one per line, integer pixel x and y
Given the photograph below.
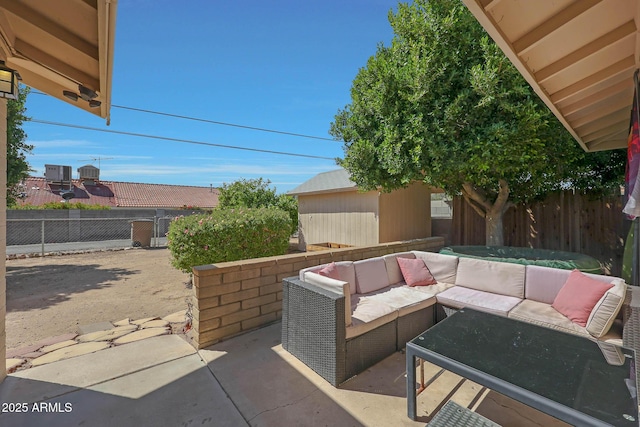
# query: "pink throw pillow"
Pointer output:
{"type": "Point", "coordinates": [330, 270]}
{"type": "Point", "coordinates": [578, 296]}
{"type": "Point", "coordinates": [415, 272]}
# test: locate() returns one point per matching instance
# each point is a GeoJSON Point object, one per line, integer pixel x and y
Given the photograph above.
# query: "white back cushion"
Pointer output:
{"type": "Point", "coordinates": [542, 284]}
{"type": "Point", "coordinates": [393, 270]}
{"type": "Point", "coordinates": [491, 276]}
{"type": "Point", "coordinates": [345, 271]}
{"type": "Point", "coordinates": [371, 275]}
{"type": "Point", "coordinates": [442, 267]}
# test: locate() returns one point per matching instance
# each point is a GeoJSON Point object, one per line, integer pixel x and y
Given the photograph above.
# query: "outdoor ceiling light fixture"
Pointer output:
{"type": "Point", "coordinates": [8, 82]}
{"type": "Point", "coordinates": [85, 93]}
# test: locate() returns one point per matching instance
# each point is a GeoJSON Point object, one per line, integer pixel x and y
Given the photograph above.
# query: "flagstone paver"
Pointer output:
{"type": "Point", "coordinates": [70, 345]}
{"type": "Point", "coordinates": [14, 363]}
{"type": "Point", "coordinates": [68, 352]}
{"type": "Point", "coordinates": [142, 334]}
{"type": "Point", "coordinates": [122, 322]}
{"type": "Point", "coordinates": [34, 347]}
{"type": "Point", "coordinates": [155, 324]}
{"type": "Point", "coordinates": [32, 355]}
{"type": "Point", "coordinates": [145, 320]}
{"type": "Point", "coordinates": [94, 327]}
{"type": "Point", "coordinates": [108, 335]}
{"type": "Point", "coordinates": [53, 347]}
{"type": "Point", "coordinates": [177, 317]}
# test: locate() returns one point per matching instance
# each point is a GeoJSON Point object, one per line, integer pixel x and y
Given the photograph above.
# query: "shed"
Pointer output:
{"type": "Point", "coordinates": [331, 209]}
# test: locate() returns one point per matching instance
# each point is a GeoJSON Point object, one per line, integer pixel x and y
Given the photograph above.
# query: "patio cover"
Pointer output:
{"type": "Point", "coordinates": [578, 55]}
{"type": "Point", "coordinates": [59, 45]}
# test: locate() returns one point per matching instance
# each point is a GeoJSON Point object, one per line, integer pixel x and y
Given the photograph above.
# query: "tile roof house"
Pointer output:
{"type": "Point", "coordinates": [332, 210]}
{"type": "Point", "coordinates": [115, 194]}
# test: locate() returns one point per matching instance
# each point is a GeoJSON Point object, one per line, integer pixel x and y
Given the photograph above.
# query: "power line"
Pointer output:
{"type": "Point", "coordinates": [187, 141]}
{"type": "Point", "coordinates": [223, 123]}
{"type": "Point", "coordinates": [197, 119]}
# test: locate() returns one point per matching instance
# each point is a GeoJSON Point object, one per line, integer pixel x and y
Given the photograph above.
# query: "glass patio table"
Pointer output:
{"type": "Point", "coordinates": [563, 375]}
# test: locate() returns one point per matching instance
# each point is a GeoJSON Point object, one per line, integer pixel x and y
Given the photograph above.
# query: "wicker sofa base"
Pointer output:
{"type": "Point", "coordinates": [316, 335]}
{"type": "Point", "coordinates": [413, 324]}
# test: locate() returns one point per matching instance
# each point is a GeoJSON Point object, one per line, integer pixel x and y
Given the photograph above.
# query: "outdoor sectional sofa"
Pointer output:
{"type": "Point", "coordinates": [355, 314]}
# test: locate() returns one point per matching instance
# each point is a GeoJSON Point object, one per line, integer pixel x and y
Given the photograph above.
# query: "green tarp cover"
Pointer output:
{"type": "Point", "coordinates": [528, 256]}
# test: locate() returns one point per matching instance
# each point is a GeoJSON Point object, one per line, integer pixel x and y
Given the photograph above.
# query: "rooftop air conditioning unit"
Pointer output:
{"type": "Point", "coordinates": [89, 173]}
{"type": "Point", "coordinates": [57, 173]}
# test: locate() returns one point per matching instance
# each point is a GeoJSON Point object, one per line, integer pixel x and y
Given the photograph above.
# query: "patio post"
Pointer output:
{"type": "Point", "coordinates": [3, 237]}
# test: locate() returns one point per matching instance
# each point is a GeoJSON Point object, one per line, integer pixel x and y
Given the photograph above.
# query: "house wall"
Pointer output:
{"type": "Point", "coordinates": [230, 298]}
{"type": "Point", "coordinates": [346, 217]}
{"type": "Point", "coordinates": [405, 213]}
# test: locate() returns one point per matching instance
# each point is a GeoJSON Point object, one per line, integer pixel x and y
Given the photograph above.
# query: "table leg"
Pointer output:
{"type": "Point", "coordinates": [411, 385]}
{"type": "Point", "coordinates": [422, 386]}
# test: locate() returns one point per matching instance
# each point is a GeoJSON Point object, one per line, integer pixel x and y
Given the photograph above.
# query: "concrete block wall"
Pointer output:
{"type": "Point", "coordinates": [234, 297]}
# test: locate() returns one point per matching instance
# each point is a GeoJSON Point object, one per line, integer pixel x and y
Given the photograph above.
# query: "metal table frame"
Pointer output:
{"type": "Point", "coordinates": [555, 409]}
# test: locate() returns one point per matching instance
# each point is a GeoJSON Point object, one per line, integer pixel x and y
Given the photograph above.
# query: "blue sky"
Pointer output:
{"type": "Point", "coordinates": [284, 65]}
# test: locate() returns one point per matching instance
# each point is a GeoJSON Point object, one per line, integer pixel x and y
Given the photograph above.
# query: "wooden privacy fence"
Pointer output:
{"type": "Point", "coordinates": [563, 221]}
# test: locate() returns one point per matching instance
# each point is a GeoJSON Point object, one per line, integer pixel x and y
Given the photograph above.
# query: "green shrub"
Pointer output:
{"type": "Point", "coordinates": [256, 193]}
{"type": "Point", "coordinates": [227, 235]}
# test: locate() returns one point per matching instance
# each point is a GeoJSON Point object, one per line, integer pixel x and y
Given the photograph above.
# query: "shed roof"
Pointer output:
{"type": "Point", "coordinates": [326, 182]}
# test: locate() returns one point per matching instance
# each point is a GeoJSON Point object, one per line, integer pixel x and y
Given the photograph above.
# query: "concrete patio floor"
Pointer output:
{"type": "Point", "coordinates": [247, 380]}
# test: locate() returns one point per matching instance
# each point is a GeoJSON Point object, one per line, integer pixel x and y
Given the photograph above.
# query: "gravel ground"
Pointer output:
{"type": "Point", "coordinates": [54, 295]}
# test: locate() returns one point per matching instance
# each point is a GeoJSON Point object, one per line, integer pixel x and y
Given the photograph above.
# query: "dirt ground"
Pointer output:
{"type": "Point", "coordinates": [51, 296]}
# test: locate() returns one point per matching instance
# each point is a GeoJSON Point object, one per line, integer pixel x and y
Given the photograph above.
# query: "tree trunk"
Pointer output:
{"type": "Point", "coordinates": [492, 212]}
{"type": "Point", "coordinates": [494, 234]}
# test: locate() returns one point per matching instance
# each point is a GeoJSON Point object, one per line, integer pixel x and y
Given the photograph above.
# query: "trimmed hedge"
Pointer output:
{"type": "Point", "coordinates": [228, 235]}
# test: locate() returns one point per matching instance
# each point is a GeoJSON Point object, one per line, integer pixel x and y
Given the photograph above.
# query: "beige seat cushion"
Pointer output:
{"type": "Point", "coordinates": [432, 290]}
{"type": "Point", "coordinates": [460, 297]}
{"type": "Point", "coordinates": [404, 299]}
{"type": "Point", "coordinates": [543, 314]}
{"type": "Point", "coordinates": [368, 314]}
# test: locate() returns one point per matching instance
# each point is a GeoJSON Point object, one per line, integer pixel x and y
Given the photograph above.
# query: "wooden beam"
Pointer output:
{"type": "Point", "coordinates": [623, 86]}
{"type": "Point", "coordinates": [609, 142]}
{"type": "Point", "coordinates": [584, 52]}
{"type": "Point", "coordinates": [535, 36]}
{"type": "Point", "coordinates": [602, 109]}
{"type": "Point", "coordinates": [53, 28]}
{"type": "Point", "coordinates": [604, 122]}
{"type": "Point", "coordinates": [56, 64]}
{"type": "Point", "coordinates": [613, 69]}
{"type": "Point", "coordinates": [612, 129]}
{"type": "Point", "coordinates": [91, 3]}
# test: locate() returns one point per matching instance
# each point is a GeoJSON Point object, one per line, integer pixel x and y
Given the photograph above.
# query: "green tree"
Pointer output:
{"type": "Point", "coordinates": [256, 193]}
{"type": "Point", "coordinates": [442, 104]}
{"type": "Point", "coordinates": [17, 167]}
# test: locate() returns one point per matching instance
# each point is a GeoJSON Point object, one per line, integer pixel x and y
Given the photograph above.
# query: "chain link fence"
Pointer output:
{"type": "Point", "coordinates": [33, 236]}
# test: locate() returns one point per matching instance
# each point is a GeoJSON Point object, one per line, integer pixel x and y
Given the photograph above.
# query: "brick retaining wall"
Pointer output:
{"type": "Point", "coordinates": [234, 297]}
